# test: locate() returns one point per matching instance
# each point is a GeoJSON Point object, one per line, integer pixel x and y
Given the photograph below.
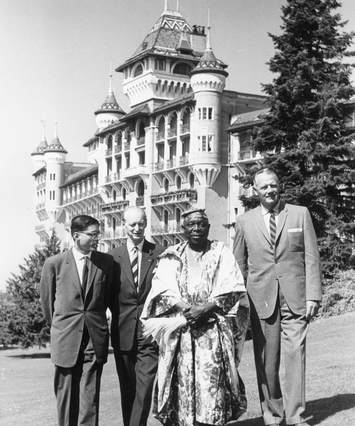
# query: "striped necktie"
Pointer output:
{"type": "Point", "coordinates": [272, 223]}
{"type": "Point", "coordinates": [134, 265]}
{"type": "Point", "coordinates": [85, 275]}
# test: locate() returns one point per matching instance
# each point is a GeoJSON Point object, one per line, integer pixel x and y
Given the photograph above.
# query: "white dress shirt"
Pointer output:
{"type": "Point", "coordinates": [80, 261]}
{"type": "Point", "coordinates": [131, 248]}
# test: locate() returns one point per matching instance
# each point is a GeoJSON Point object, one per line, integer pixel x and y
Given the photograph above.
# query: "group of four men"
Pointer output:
{"type": "Point", "coordinates": [276, 252]}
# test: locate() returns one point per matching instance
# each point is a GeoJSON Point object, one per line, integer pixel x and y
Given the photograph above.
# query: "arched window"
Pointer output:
{"type": "Point", "coordinates": [178, 217]}
{"type": "Point", "coordinates": [124, 193]}
{"type": "Point", "coordinates": [185, 125]}
{"type": "Point", "coordinates": [114, 195]}
{"type": "Point", "coordinates": [140, 188]}
{"type": "Point", "coordinates": [182, 68]}
{"type": "Point", "coordinates": [166, 219]}
{"type": "Point", "coordinates": [161, 129]}
{"type": "Point", "coordinates": [178, 182]}
{"type": "Point", "coordinates": [192, 180]}
{"type": "Point", "coordinates": [109, 143]}
{"type": "Point", "coordinates": [165, 243]}
{"type": "Point", "coordinates": [166, 185]}
{"type": "Point", "coordinates": [138, 70]}
{"type": "Point", "coordinates": [114, 224]}
{"type": "Point", "coordinates": [173, 125]}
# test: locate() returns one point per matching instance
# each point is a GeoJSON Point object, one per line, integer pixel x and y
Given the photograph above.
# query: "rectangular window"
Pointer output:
{"type": "Point", "coordinates": [128, 161]}
{"type": "Point", "coordinates": [204, 113]}
{"type": "Point", "coordinates": [210, 145]}
{"type": "Point", "coordinates": [141, 158]}
{"type": "Point", "coordinates": [210, 116]}
{"type": "Point", "coordinates": [109, 166]}
{"type": "Point", "coordinates": [204, 143]}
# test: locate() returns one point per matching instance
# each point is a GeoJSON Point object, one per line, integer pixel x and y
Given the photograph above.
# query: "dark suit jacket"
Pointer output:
{"type": "Point", "coordinates": [294, 265]}
{"type": "Point", "coordinates": [68, 312]}
{"type": "Point", "coordinates": [128, 301]}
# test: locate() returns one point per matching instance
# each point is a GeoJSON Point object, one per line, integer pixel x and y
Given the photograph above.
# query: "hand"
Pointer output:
{"type": "Point", "coordinates": [312, 307]}
{"type": "Point", "coordinates": [195, 313]}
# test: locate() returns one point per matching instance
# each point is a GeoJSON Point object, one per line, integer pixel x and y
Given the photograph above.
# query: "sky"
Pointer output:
{"type": "Point", "coordinates": [55, 61]}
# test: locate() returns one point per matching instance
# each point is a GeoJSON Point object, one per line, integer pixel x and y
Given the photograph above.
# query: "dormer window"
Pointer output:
{"type": "Point", "coordinates": [138, 70]}
{"type": "Point", "coordinates": [182, 69]}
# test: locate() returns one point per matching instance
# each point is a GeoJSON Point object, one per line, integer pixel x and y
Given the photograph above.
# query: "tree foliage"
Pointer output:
{"type": "Point", "coordinates": [304, 136]}
{"type": "Point", "coordinates": [25, 322]}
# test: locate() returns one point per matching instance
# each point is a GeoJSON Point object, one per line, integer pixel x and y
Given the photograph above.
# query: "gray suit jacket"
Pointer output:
{"type": "Point", "coordinates": [68, 312]}
{"type": "Point", "coordinates": [294, 265]}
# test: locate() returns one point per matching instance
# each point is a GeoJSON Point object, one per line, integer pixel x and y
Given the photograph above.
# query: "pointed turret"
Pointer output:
{"type": "Point", "coordinates": [110, 111]}
{"type": "Point", "coordinates": [37, 154]}
{"type": "Point", "coordinates": [209, 62]}
{"type": "Point", "coordinates": [55, 145]}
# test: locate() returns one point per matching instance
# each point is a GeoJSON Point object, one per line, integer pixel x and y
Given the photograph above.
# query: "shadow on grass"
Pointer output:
{"type": "Point", "coordinates": [316, 411]}
{"type": "Point", "coordinates": [35, 355]}
{"type": "Point", "coordinates": [320, 409]}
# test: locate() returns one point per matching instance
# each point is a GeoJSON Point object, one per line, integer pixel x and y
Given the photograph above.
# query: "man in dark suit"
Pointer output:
{"type": "Point", "coordinates": [276, 249]}
{"type": "Point", "coordinates": [75, 291]}
{"type": "Point", "coordinates": [136, 357]}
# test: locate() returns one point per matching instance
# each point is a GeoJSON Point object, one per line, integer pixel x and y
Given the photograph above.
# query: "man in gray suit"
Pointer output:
{"type": "Point", "coordinates": [276, 249]}
{"type": "Point", "coordinates": [75, 292]}
{"type": "Point", "coordinates": [136, 357]}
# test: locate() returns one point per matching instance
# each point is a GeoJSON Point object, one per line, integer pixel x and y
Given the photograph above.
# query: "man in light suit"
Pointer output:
{"type": "Point", "coordinates": [75, 292]}
{"type": "Point", "coordinates": [276, 249]}
{"type": "Point", "coordinates": [136, 357]}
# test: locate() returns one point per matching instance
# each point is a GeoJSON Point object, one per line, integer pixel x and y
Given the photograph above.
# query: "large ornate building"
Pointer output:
{"type": "Point", "coordinates": [180, 145]}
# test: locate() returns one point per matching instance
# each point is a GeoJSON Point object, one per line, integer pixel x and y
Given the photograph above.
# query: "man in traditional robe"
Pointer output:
{"type": "Point", "coordinates": [197, 312]}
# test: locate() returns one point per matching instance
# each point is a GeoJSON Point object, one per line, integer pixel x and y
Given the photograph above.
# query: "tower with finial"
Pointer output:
{"type": "Point", "coordinates": [207, 81]}
{"type": "Point", "coordinates": [38, 154]}
{"type": "Point", "coordinates": [159, 70]}
{"type": "Point", "coordinates": [109, 111]}
{"type": "Point", "coordinates": [54, 156]}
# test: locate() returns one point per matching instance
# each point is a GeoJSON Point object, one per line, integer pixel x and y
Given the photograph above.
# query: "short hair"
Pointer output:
{"type": "Point", "coordinates": [268, 170]}
{"type": "Point", "coordinates": [132, 209]}
{"type": "Point", "coordinates": [81, 222]}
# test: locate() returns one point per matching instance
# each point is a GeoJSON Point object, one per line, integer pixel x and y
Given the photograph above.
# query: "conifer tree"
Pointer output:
{"type": "Point", "coordinates": [304, 136]}
{"type": "Point", "coordinates": [26, 322]}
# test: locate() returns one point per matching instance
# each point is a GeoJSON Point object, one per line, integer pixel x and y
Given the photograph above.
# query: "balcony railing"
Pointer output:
{"type": "Point", "coordinates": [79, 196]}
{"type": "Point", "coordinates": [40, 206]}
{"type": "Point", "coordinates": [118, 148]}
{"type": "Point", "coordinates": [127, 145]}
{"type": "Point", "coordinates": [141, 140]}
{"type": "Point", "coordinates": [108, 152]}
{"type": "Point", "coordinates": [171, 163]}
{"type": "Point", "coordinates": [172, 133]}
{"type": "Point", "coordinates": [175, 228]}
{"type": "Point", "coordinates": [185, 128]}
{"type": "Point", "coordinates": [183, 160]}
{"type": "Point", "coordinates": [160, 136]}
{"type": "Point", "coordinates": [183, 195]}
{"type": "Point", "coordinates": [115, 206]}
{"type": "Point", "coordinates": [247, 155]}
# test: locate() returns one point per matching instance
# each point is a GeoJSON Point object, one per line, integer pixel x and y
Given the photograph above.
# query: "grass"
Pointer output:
{"type": "Point", "coordinates": [26, 382]}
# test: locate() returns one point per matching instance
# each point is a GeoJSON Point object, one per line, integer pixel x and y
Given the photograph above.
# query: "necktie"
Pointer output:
{"type": "Point", "coordinates": [272, 224]}
{"type": "Point", "coordinates": [84, 277]}
{"type": "Point", "coordinates": [134, 265]}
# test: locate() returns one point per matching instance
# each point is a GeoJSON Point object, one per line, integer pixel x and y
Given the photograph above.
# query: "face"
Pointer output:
{"type": "Point", "coordinates": [87, 240]}
{"type": "Point", "coordinates": [267, 187]}
{"type": "Point", "coordinates": [196, 228]}
{"type": "Point", "coordinates": [135, 224]}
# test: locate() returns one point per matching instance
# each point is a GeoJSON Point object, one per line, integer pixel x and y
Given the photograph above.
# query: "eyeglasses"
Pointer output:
{"type": "Point", "coordinates": [92, 236]}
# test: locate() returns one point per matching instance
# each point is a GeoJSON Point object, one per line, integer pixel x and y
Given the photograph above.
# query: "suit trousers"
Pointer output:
{"type": "Point", "coordinates": [77, 389]}
{"type": "Point", "coordinates": [284, 331]}
{"type": "Point", "coordinates": [136, 371]}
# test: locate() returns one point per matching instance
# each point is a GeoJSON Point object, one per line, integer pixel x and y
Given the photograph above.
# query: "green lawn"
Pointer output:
{"type": "Point", "coordinates": [26, 376]}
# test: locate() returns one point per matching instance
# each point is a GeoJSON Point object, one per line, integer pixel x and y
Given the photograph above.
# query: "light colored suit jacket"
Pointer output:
{"type": "Point", "coordinates": [68, 311]}
{"type": "Point", "coordinates": [293, 265]}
